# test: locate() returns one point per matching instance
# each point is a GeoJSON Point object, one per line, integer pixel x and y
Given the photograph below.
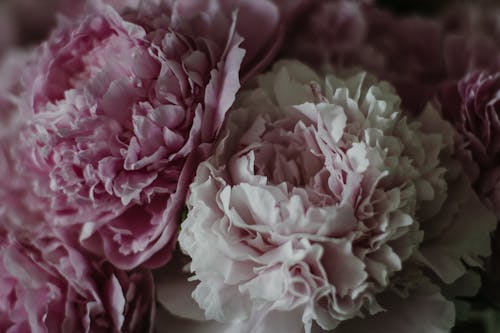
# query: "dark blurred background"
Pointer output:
{"type": "Point", "coordinates": [428, 7]}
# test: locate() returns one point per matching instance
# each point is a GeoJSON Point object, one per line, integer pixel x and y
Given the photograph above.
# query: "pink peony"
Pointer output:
{"type": "Point", "coordinates": [48, 286]}
{"type": "Point", "coordinates": [323, 205]}
{"type": "Point", "coordinates": [122, 108]}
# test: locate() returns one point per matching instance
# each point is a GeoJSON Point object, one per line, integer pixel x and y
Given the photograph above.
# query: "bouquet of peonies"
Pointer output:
{"type": "Point", "coordinates": [249, 166]}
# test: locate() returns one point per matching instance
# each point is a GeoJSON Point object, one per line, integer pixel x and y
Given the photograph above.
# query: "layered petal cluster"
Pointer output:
{"type": "Point", "coordinates": [322, 204]}
{"type": "Point", "coordinates": [47, 286]}
{"type": "Point", "coordinates": [122, 108]}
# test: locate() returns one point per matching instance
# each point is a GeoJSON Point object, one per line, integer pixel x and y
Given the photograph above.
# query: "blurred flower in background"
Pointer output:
{"type": "Point", "coordinates": [102, 127]}
{"type": "Point", "coordinates": [25, 22]}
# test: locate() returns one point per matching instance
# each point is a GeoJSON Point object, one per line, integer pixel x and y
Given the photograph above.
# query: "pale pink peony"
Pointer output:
{"type": "Point", "coordinates": [122, 109]}
{"type": "Point", "coordinates": [47, 286]}
{"type": "Point", "coordinates": [322, 205]}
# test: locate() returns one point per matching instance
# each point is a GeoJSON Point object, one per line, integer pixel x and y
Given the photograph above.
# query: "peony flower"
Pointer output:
{"type": "Point", "coordinates": [121, 110]}
{"type": "Point", "coordinates": [323, 205]}
{"type": "Point", "coordinates": [47, 286]}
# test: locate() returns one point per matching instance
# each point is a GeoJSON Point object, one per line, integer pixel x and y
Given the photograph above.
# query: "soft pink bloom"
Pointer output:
{"type": "Point", "coordinates": [323, 204]}
{"type": "Point", "coordinates": [47, 286]}
{"type": "Point", "coordinates": [124, 107]}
